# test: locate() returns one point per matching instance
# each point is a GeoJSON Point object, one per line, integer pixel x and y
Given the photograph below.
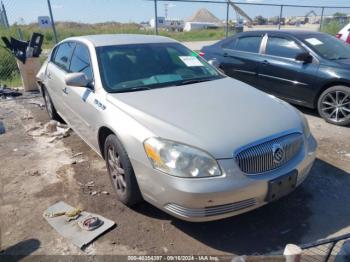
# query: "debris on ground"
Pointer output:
{"type": "Point", "coordinates": [77, 154]}
{"type": "Point", "coordinates": [95, 224]}
{"type": "Point", "coordinates": [2, 128]}
{"type": "Point", "coordinates": [93, 193]}
{"type": "Point", "coordinates": [52, 129]}
{"type": "Point", "coordinates": [41, 105]}
{"type": "Point", "coordinates": [90, 223]}
{"type": "Point", "coordinates": [8, 93]}
{"type": "Point", "coordinates": [105, 193]}
{"type": "Point", "coordinates": [32, 173]}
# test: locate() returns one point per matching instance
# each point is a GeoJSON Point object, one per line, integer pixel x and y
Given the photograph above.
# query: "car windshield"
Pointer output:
{"type": "Point", "coordinates": [328, 46]}
{"type": "Point", "coordinates": [133, 67]}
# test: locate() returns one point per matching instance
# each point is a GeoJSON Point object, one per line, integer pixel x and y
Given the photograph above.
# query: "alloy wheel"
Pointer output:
{"type": "Point", "coordinates": [116, 170]}
{"type": "Point", "coordinates": [336, 106]}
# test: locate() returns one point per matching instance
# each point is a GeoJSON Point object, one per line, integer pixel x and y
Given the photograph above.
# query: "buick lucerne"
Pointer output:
{"type": "Point", "coordinates": [173, 130]}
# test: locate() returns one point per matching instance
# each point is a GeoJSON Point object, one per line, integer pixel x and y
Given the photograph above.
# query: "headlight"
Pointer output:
{"type": "Point", "coordinates": [306, 127]}
{"type": "Point", "coordinates": [180, 160]}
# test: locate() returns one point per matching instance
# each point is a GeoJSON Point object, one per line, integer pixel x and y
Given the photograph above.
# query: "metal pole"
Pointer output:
{"type": "Point", "coordinates": [52, 22]}
{"type": "Point", "coordinates": [227, 17]}
{"type": "Point", "coordinates": [156, 16]}
{"type": "Point", "coordinates": [6, 21]}
{"type": "Point", "coordinates": [321, 20]}
{"type": "Point", "coordinates": [280, 18]}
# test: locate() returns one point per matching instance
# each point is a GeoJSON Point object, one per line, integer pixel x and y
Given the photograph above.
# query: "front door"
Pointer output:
{"type": "Point", "coordinates": [282, 75]}
{"type": "Point", "coordinates": [82, 100]}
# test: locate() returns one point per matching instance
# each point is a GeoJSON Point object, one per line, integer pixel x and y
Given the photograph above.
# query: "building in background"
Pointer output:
{"type": "Point", "coordinates": [202, 19]}
{"type": "Point", "coordinates": [168, 24]}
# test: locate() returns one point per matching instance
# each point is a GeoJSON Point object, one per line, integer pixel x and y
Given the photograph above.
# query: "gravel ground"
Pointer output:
{"type": "Point", "coordinates": [36, 173]}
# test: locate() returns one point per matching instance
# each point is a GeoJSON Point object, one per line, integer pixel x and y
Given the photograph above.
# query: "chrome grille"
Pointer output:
{"type": "Point", "coordinates": [210, 211]}
{"type": "Point", "coordinates": [259, 158]}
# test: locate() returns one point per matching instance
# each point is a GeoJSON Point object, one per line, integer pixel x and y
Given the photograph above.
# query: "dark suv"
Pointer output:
{"type": "Point", "coordinates": [306, 68]}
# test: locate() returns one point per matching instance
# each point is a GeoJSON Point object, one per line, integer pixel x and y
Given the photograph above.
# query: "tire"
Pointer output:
{"type": "Point", "coordinates": [334, 105]}
{"type": "Point", "coordinates": [121, 172]}
{"type": "Point", "coordinates": [50, 108]}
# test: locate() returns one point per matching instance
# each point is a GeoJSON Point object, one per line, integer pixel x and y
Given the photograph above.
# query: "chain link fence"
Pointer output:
{"type": "Point", "coordinates": [255, 16]}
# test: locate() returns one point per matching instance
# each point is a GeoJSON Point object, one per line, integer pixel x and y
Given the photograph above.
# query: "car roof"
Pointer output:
{"type": "Point", "coordinates": [295, 33]}
{"type": "Point", "coordinates": [122, 39]}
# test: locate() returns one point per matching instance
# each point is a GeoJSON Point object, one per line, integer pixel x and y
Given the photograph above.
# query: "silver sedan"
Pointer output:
{"type": "Point", "coordinates": [172, 129]}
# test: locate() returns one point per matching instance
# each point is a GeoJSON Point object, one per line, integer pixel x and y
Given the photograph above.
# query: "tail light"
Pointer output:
{"type": "Point", "coordinates": [348, 39]}
{"type": "Point", "coordinates": [201, 54]}
{"type": "Point", "coordinates": [338, 35]}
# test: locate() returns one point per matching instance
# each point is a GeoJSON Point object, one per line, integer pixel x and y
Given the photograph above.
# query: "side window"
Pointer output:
{"type": "Point", "coordinates": [229, 44]}
{"type": "Point", "coordinates": [63, 55]}
{"type": "Point", "coordinates": [81, 61]}
{"type": "Point", "coordinates": [249, 44]}
{"type": "Point", "coordinates": [279, 46]}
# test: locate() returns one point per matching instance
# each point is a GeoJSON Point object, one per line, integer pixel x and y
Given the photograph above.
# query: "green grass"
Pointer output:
{"type": "Point", "coordinates": [9, 74]}
{"type": "Point", "coordinates": [15, 81]}
{"type": "Point", "coordinates": [69, 29]}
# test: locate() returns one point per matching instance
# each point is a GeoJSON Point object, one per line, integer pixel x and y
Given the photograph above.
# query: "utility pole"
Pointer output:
{"type": "Point", "coordinates": [4, 16]}
{"type": "Point", "coordinates": [321, 20]}
{"type": "Point", "coordinates": [227, 18]}
{"type": "Point", "coordinates": [156, 16]}
{"type": "Point", "coordinates": [52, 22]}
{"type": "Point", "coordinates": [280, 18]}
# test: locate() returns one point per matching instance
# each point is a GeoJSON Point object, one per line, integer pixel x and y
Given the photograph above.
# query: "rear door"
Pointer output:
{"type": "Point", "coordinates": [241, 58]}
{"type": "Point", "coordinates": [281, 74]}
{"type": "Point", "coordinates": [56, 70]}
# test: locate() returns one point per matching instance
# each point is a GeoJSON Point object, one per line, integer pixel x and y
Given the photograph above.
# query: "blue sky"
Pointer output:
{"type": "Point", "coordinates": [91, 11]}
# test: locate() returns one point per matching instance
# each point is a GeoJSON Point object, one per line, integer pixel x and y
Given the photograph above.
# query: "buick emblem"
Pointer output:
{"type": "Point", "coordinates": [277, 153]}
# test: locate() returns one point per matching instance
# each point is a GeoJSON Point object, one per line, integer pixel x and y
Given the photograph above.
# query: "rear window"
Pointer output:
{"type": "Point", "coordinates": [249, 44]}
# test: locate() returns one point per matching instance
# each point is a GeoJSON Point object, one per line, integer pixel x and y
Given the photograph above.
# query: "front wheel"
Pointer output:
{"type": "Point", "coordinates": [334, 105]}
{"type": "Point", "coordinates": [50, 108]}
{"type": "Point", "coordinates": [121, 172]}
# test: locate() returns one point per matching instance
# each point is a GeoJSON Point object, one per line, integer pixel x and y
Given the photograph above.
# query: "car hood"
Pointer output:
{"type": "Point", "coordinates": [217, 116]}
{"type": "Point", "coordinates": [342, 63]}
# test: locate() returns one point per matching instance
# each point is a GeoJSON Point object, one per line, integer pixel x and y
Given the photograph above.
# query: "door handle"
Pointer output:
{"type": "Point", "coordinates": [49, 76]}
{"type": "Point", "coordinates": [265, 62]}
{"type": "Point", "coordinates": [225, 55]}
{"type": "Point", "coordinates": [64, 90]}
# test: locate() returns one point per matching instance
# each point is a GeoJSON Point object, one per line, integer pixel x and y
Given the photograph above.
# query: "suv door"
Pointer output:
{"type": "Point", "coordinates": [56, 70]}
{"type": "Point", "coordinates": [241, 58]}
{"type": "Point", "coordinates": [82, 100]}
{"type": "Point", "coordinates": [281, 74]}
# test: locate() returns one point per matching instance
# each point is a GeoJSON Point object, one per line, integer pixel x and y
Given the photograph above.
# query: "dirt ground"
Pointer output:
{"type": "Point", "coordinates": [36, 173]}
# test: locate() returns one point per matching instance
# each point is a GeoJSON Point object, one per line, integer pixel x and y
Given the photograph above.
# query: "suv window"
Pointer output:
{"type": "Point", "coordinates": [63, 55]}
{"type": "Point", "coordinates": [249, 44]}
{"type": "Point", "coordinates": [81, 61]}
{"type": "Point", "coordinates": [283, 47]}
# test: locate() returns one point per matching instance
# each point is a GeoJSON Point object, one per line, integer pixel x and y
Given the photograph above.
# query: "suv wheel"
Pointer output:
{"type": "Point", "coordinates": [50, 108]}
{"type": "Point", "coordinates": [334, 105]}
{"type": "Point", "coordinates": [121, 172]}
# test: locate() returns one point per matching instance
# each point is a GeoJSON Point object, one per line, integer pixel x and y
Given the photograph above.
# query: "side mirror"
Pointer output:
{"type": "Point", "coordinates": [214, 62]}
{"type": "Point", "coordinates": [77, 79]}
{"type": "Point", "coordinates": [304, 57]}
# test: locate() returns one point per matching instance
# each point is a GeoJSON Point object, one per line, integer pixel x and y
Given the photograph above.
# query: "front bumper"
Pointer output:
{"type": "Point", "coordinates": [206, 199]}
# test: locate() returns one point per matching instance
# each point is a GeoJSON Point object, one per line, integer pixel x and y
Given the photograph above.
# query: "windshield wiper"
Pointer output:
{"type": "Point", "coordinates": [193, 81]}
{"type": "Point", "coordinates": [340, 58]}
{"type": "Point", "coordinates": [133, 89]}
